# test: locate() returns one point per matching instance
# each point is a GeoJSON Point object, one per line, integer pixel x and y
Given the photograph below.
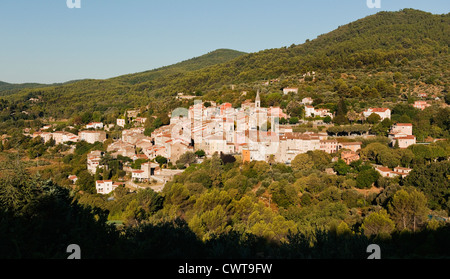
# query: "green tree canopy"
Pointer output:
{"type": "Point", "coordinates": [378, 224]}
{"type": "Point", "coordinates": [408, 209]}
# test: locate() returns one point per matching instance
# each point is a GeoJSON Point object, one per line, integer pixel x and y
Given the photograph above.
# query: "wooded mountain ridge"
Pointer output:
{"type": "Point", "coordinates": [377, 42]}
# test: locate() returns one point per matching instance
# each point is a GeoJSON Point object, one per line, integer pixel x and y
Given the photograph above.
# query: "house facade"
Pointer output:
{"type": "Point", "coordinates": [288, 90]}
{"type": "Point", "coordinates": [421, 105]}
{"type": "Point", "coordinates": [94, 125]}
{"type": "Point", "coordinates": [92, 136]}
{"type": "Point", "coordinates": [307, 101]}
{"type": "Point", "coordinates": [384, 113]}
{"type": "Point", "coordinates": [121, 148]}
{"type": "Point", "coordinates": [404, 141]}
{"type": "Point", "coordinates": [121, 122]}
{"type": "Point", "coordinates": [403, 172]}
{"type": "Point", "coordinates": [145, 173]}
{"type": "Point", "coordinates": [329, 146]}
{"type": "Point", "coordinates": [310, 111]}
{"type": "Point", "coordinates": [402, 129]}
{"type": "Point", "coordinates": [105, 186]}
{"type": "Point", "coordinates": [353, 146]}
{"type": "Point", "coordinates": [349, 156]}
{"type": "Point", "coordinates": [93, 161]}
{"type": "Point", "coordinates": [397, 171]}
{"type": "Point", "coordinates": [63, 137]}
{"type": "Point", "coordinates": [386, 172]}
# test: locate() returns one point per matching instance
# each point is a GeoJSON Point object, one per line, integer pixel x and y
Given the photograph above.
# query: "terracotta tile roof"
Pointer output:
{"type": "Point", "coordinates": [351, 143]}
{"type": "Point", "coordinates": [403, 124]}
{"type": "Point", "coordinates": [384, 169]}
{"type": "Point", "coordinates": [406, 137]}
{"type": "Point", "coordinates": [379, 109]}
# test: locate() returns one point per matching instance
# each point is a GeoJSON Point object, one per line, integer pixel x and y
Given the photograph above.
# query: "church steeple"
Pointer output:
{"type": "Point", "coordinates": [257, 100]}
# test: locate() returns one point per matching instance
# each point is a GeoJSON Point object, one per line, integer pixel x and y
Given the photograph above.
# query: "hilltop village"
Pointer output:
{"type": "Point", "coordinates": [252, 132]}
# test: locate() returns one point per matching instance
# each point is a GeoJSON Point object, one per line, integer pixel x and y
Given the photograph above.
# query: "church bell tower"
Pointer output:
{"type": "Point", "coordinates": [257, 100]}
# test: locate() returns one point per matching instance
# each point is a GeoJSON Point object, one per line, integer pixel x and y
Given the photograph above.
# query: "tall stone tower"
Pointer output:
{"type": "Point", "coordinates": [257, 100]}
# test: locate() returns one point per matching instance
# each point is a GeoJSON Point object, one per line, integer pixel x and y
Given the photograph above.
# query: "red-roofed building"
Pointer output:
{"type": "Point", "coordinates": [310, 111]}
{"type": "Point", "coordinates": [349, 156]}
{"type": "Point", "coordinates": [145, 173]}
{"type": "Point", "coordinates": [224, 107]}
{"type": "Point", "coordinates": [404, 141]}
{"type": "Point", "coordinates": [422, 95]}
{"type": "Point", "coordinates": [421, 105]}
{"type": "Point", "coordinates": [94, 125]}
{"type": "Point", "coordinates": [353, 146]}
{"type": "Point", "coordinates": [288, 90]}
{"type": "Point", "coordinates": [386, 172]}
{"type": "Point", "coordinates": [402, 171]}
{"type": "Point", "coordinates": [382, 112]}
{"type": "Point", "coordinates": [398, 171]}
{"type": "Point", "coordinates": [73, 178]}
{"type": "Point", "coordinates": [402, 128]}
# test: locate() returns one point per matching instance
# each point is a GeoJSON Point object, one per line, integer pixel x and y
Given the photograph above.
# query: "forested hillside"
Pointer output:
{"type": "Point", "coordinates": [387, 41]}
{"type": "Point", "coordinates": [213, 58]}
{"type": "Point", "coordinates": [225, 210]}
{"type": "Point", "coordinates": [10, 88]}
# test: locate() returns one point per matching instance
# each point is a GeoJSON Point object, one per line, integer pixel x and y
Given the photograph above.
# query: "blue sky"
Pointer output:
{"type": "Point", "coordinates": [45, 41]}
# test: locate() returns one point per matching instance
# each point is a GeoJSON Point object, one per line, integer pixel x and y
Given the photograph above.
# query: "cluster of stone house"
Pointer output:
{"type": "Point", "coordinates": [349, 156]}
{"type": "Point", "coordinates": [93, 161]}
{"type": "Point", "coordinates": [310, 111]}
{"type": "Point", "coordinates": [170, 141]}
{"type": "Point", "coordinates": [64, 137]}
{"type": "Point", "coordinates": [252, 131]}
{"type": "Point", "coordinates": [58, 136]}
{"type": "Point", "coordinates": [145, 173]}
{"type": "Point", "coordinates": [132, 117]}
{"type": "Point", "coordinates": [350, 151]}
{"type": "Point", "coordinates": [397, 171]}
{"type": "Point", "coordinates": [94, 125]}
{"type": "Point", "coordinates": [138, 120]}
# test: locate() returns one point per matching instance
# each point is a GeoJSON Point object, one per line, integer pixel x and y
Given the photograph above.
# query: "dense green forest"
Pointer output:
{"type": "Point", "coordinates": [212, 211]}
{"type": "Point", "coordinates": [4, 86]}
{"type": "Point", "coordinates": [213, 58]}
{"type": "Point", "coordinates": [13, 88]}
